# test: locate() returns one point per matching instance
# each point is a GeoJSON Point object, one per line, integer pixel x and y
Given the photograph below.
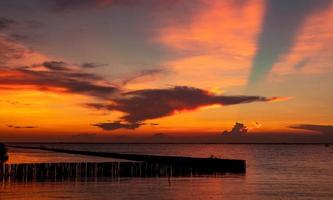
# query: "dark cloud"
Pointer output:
{"type": "Point", "coordinates": [92, 65]}
{"type": "Point", "coordinates": [154, 124]}
{"type": "Point", "coordinates": [20, 127]}
{"type": "Point", "coordinates": [324, 129]}
{"type": "Point", "coordinates": [69, 5]}
{"type": "Point", "coordinates": [302, 63]}
{"type": "Point", "coordinates": [77, 5]}
{"type": "Point", "coordinates": [142, 105]}
{"type": "Point", "coordinates": [142, 74]}
{"type": "Point", "coordinates": [109, 126]}
{"type": "Point", "coordinates": [18, 30]}
{"type": "Point", "coordinates": [238, 129]}
{"type": "Point", "coordinates": [155, 103]}
{"type": "Point", "coordinates": [5, 23]}
{"type": "Point", "coordinates": [63, 66]}
{"type": "Point", "coordinates": [56, 65]}
{"type": "Point", "coordinates": [11, 51]}
{"type": "Point", "coordinates": [68, 81]}
{"type": "Point", "coordinates": [98, 106]}
{"type": "Point", "coordinates": [282, 21]}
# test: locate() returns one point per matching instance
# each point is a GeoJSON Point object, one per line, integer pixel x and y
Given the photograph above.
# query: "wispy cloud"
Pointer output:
{"type": "Point", "coordinates": [14, 30]}
{"type": "Point", "coordinates": [72, 5]}
{"type": "Point", "coordinates": [324, 129]}
{"type": "Point", "coordinates": [6, 23]}
{"type": "Point", "coordinates": [215, 47]}
{"type": "Point", "coordinates": [20, 127]}
{"type": "Point", "coordinates": [90, 65]}
{"type": "Point", "coordinates": [55, 65]}
{"type": "Point", "coordinates": [311, 53]}
{"type": "Point", "coordinates": [143, 74]}
{"type": "Point", "coordinates": [282, 21]}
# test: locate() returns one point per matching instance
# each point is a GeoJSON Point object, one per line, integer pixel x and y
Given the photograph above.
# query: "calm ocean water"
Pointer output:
{"type": "Point", "coordinates": [273, 172]}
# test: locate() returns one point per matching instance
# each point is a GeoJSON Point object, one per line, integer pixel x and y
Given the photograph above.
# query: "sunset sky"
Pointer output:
{"type": "Point", "coordinates": [175, 67]}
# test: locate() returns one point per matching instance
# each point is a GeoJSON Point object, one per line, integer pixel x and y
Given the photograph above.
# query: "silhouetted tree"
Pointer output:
{"type": "Point", "coordinates": [3, 153]}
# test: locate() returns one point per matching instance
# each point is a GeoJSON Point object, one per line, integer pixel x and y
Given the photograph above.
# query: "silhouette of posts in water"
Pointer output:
{"type": "Point", "coordinates": [3, 153]}
{"type": "Point", "coordinates": [142, 166]}
{"type": "Point", "coordinates": [83, 171]}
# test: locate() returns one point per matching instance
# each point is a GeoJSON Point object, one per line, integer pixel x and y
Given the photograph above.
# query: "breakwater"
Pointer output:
{"type": "Point", "coordinates": [143, 166]}
{"type": "Point", "coordinates": [83, 171]}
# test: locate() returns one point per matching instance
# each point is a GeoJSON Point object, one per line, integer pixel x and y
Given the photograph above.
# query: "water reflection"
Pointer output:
{"type": "Point", "coordinates": [134, 188]}
{"type": "Point", "coordinates": [274, 172]}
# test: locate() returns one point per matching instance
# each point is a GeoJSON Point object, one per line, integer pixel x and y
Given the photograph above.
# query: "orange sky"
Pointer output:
{"type": "Point", "coordinates": [137, 68]}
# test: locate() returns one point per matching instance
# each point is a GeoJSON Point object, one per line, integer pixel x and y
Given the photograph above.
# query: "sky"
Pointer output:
{"type": "Point", "coordinates": [156, 70]}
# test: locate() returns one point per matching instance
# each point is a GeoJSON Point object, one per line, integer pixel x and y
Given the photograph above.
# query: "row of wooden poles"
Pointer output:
{"type": "Point", "coordinates": [142, 166]}
{"type": "Point", "coordinates": [84, 171]}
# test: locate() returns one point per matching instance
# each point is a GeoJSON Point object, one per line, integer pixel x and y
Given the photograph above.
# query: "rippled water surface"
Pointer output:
{"type": "Point", "coordinates": [273, 172]}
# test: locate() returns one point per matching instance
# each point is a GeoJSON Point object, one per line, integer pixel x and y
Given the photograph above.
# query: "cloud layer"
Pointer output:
{"type": "Point", "coordinates": [324, 129]}
{"type": "Point", "coordinates": [56, 77]}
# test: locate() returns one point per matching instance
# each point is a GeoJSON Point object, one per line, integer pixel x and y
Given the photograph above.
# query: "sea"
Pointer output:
{"type": "Point", "coordinates": [274, 171]}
